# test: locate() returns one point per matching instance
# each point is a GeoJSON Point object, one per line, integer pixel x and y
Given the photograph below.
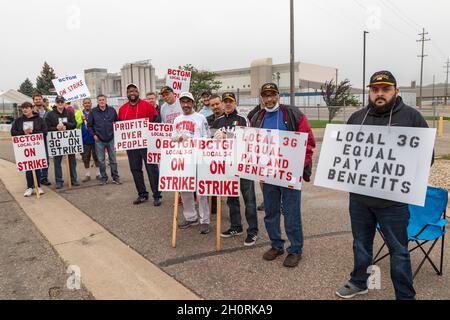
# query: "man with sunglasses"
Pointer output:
{"type": "Point", "coordinates": [386, 108]}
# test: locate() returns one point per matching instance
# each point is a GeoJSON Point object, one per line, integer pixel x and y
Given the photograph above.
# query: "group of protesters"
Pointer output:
{"type": "Point", "coordinates": [218, 118]}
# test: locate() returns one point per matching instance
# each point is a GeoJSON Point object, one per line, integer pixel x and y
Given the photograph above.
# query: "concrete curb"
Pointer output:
{"type": "Point", "coordinates": [109, 268]}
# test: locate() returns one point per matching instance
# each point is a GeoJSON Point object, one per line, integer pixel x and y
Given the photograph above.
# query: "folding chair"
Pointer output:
{"type": "Point", "coordinates": [426, 224]}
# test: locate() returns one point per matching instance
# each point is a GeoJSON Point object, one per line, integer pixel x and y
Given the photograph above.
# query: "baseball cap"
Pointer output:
{"type": "Point", "coordinates": [187, 95]}
{"type": "Point", "coordinates": [269, 87]}
{"type": "Point", "coordinates": [60, 99]}
{"type": "Point", "coordinates": [132, 85]}
{"type": "Point", "coordinates": [228, 95]}
{"type": "Point", "coordinates": [382, 77]}
{"type": "Point", "coordinates": [166, 89]}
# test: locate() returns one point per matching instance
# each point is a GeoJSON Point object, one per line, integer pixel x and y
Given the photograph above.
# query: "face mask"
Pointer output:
{"type": "Point", "coordinates": [274, 109]}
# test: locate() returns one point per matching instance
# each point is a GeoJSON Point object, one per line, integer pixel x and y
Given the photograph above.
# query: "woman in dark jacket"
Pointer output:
{"type": "Point", "coordinates": [29, 123]}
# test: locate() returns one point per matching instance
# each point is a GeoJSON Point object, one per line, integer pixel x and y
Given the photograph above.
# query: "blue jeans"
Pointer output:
{"type": "Point", "coordinates": [273, 197]}
{"type": "Point", "coordinates": [30, 181]}
{"type": "Point", "coordinates": [58, 169]}
{"type": "Point", "coordinates": [100, 147]}
{"type": "Point", "coordinates": [248, 193]}
{"type": "Point", "coordinates": [393, 222]}
{"type": "Point", "coordinates": [135, 159]}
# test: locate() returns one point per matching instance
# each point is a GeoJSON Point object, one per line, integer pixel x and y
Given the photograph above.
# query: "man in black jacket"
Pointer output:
{"type": "Point", "coordinates": [385, 108]}
{"type": "Point", "coordinates": [225, 126]}
{"type": "Point", "coordinates": [29, 123]}
{"type": "Point", "coordinates": [60, 119]}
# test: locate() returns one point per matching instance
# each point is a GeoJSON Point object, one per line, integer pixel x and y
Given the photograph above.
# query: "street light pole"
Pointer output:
{"type": "Point", "coordinates": [364, 69]}
{"type": "Point", "coordinates": [292, 55]}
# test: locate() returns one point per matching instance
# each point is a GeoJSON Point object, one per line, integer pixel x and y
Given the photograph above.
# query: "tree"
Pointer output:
{"type": "Point", "coordinates": [337, 97]}
{"type": "Point", "coordinates": [27, 88]}
{"type": "Point", "coordinates": [44, 81]}
{"type": "Point", "coordinates": [201, 80]}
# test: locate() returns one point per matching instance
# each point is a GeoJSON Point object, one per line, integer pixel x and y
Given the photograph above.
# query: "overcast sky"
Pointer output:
{"type": "Point", "coordinates": [221, 34]}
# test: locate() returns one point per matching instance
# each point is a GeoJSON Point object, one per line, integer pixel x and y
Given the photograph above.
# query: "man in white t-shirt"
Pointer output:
{"type": "Point", "coordinates": [171, 107]}
{"type": "Point", "coordinates": [192, 125]}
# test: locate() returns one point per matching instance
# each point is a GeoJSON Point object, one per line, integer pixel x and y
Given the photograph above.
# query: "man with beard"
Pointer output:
{"type": "Point", "coordinates": [206, 110]}
{"type": "Point", "coordinates": [385, 108]}
{"type": "Point", "coordinates": [136, 108]}
{"type": "Point", "coordinates": [40, 108]}
{"type": "Point", "coordinates": [215, 102]}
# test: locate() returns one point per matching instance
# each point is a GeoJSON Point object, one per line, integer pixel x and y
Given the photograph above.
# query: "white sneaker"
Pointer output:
{"type": "Point", "coordinates": [28, 192]}
{"type": "Point", "coordinates": [40, 191]}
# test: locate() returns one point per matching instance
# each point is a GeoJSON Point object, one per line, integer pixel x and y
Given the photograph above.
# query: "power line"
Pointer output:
{"type": "Point", "coordinates": [400, 14]}
{"type": "Point", "coordinates": [423, 55]}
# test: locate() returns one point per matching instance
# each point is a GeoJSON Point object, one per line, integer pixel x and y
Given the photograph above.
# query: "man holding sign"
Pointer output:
{"type": "Point", "coordinates": [192, 125]}
{"type": "Point", "coordinates": [225, 126]}
{"type": "Point", "coordinates": [385, 108]}
{"type": "Point", "coordinates": [61, 119]}
{"type": "Point", "coordinates": [134, 109]}
{"type": "Point", "coordinates": [285, 118]}
{"type": "Point", "coordinates": [30, 123]}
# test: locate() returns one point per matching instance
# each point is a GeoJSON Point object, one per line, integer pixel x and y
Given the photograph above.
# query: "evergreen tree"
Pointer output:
{"type": "Point", "coordinates": [44, 81]}
{"type": "Point", "coordinates": [27, 88]}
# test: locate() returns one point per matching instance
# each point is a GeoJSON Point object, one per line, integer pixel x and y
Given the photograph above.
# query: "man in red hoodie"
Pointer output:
{"type": "Point", "coordinates": [276, 116]}
{"type": "Point", "coordinates": [136, 108]}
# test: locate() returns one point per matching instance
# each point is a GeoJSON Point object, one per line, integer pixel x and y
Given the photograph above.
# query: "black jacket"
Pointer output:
{"type": "Point", "coordinates": [52, 119]}
{"type": "Point", "coordinates": [253, 112]}
{"type": "Point", "coordinates": [228, 122]}
{"type": "Point", "coordinates": [39, 125]}
{"type": "Point", "coordinates": [402, 116]}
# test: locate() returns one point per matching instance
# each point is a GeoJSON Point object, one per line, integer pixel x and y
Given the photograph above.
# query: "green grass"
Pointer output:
{"type": "Point", "coordinates": [445, 157]}
{"type": "Point", "coordinates": [430, 118]}
{"type": "Point", "coordinates": [323, 123]}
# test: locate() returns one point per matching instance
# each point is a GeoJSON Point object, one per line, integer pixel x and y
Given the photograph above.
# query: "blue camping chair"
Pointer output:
{"type": "Point", "coordinates": [426, 224]}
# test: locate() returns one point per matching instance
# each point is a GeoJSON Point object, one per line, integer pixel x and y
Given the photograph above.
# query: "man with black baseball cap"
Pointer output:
{"type": "Point", "coordinates": [276, 116]}
{"type": "Point", "coordinates": [385, 108]}
{"type": "Point", "coordinates": [171, 107]}
{"type": "Point", "coordinates": [137, 108]}
{"type": "Point", "coordinates": [225, 126]}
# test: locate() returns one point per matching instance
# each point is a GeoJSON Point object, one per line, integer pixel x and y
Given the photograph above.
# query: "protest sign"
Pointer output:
{"type": "Point", "coordinates": [131, 134]}
{"type": "Point", "coordinates": [29, 151]}
{"type": "Point", "coordinates": [72, 87]}
{"type": "Point", "coordinates": [178, 170]}
{"type": "Point", "coordinates": [390, 163]}
{"type": "Point", "coordinates": [157, 132]}
{"type": "Point", "coordinates": [214, 174]}
{"type": "Point", "coordinates": [62, 143]}
{"type": "Point", "coordinates": [270, 156]}
{"type": "Point", "coordinates": [178, 80]}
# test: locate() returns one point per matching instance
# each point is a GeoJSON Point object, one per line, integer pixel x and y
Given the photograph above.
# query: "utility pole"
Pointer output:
{"type": "Point", "coordinates": [433, 104]}
{"type": "Point", "coordinates": [364, 69]}
{"type": "Point", "coordinates": [292, 55]}
{"type": "Point", "coordinates": [447, 66]}
{"type": "Point", "coordinates": [423, 55]}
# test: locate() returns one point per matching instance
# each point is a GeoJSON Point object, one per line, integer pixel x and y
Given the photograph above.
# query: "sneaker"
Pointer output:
{"type": "Point", "coordinates": [204, 229]}
{"type": "Point", "coordinates": [28, 192]}
{"type": "Point", "coordinates": [40, 191]}
{"type": "Point", "coordinates": [45, 182]}
{"type": "Point", "coordinates": [58, 186]}
{"type": "Point", "coordinates": [187, 224]}
{"type": "Point", "coordinates": [272, 254]}
{"type": "Point", "coordinates": [231, 233]}
{"type": "Point", "coordinates": [104, 182]}
{"type": "Point", "coordinates": [260, 207]}
{"type": "Point", "coordinates": [250, 240]}
{"type": "Point", "coordinates": [117, 181]}
{"type": "Point", "coordinates": [75, 184]}
{"type": "Point", "coordinates": [292, 260]}
{"type": "Point", "coordinates": [140, 200]}
{"type": "Point", "coordinates": [349, 290]}
{"type": "Point", "coordinates": [86, 179]}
